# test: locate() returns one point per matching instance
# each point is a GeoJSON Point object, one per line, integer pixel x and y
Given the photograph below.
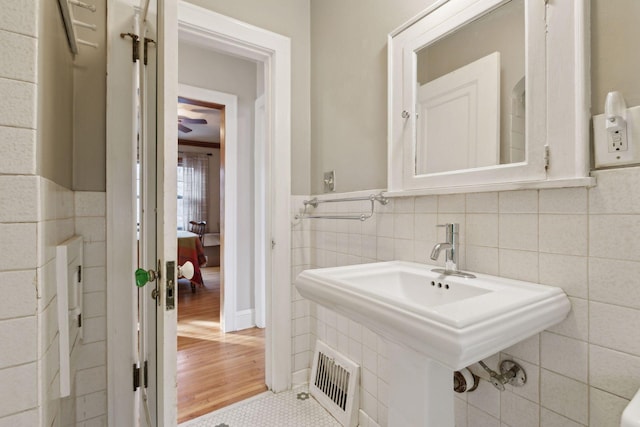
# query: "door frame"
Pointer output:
{"type": "Point", "coordinates": [230, 36]}
{"type": "Point", "coordinates": [260, 193]}
{"type": "Point", "coordinates": [227, 35]}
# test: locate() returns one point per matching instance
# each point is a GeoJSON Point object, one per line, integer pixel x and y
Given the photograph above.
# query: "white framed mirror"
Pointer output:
{"type": "Point", "coordinates": [489, 95]}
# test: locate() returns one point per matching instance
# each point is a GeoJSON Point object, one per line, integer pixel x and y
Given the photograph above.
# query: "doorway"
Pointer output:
{"type": "Point", "coordinates": [273, 52]}
{"type": "Point", "coordinates": [220, 351]}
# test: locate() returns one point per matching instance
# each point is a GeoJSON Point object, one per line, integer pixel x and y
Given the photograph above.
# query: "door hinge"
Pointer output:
{"type": "Point", "coordinates": [136, 377]}
{"type": "Point", "coordinates": [135, 48]}
{"type": "Point", "coordinates": [146, 48]}
{"type": "Point", "coordinates": [273, 243]}
{"type": "Point", "coordinates": [79, 274]}
{"type": "Point", "coordinates": [80, 320]}
{"type": "Point", "coordinates": [145, 375]}
{"type": "Point", "coordinates": [547, 155]}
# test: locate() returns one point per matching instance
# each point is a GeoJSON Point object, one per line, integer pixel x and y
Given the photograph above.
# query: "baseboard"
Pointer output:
{"type": "Point", "coordinates": [300, 377]}
{"type": "Point", "coordinates": [245, 319]}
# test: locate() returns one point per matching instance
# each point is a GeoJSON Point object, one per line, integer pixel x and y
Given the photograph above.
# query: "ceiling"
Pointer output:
{"type": "Point", "coordinates": [209, 132]}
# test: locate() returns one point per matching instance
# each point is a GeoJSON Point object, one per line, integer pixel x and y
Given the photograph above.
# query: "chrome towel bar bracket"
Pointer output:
{"type": "Point", "coordinates": [361, 217]}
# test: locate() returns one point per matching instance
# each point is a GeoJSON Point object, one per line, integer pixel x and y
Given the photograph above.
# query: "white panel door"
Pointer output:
{"type": "Point", "coordinates": [458, 123]}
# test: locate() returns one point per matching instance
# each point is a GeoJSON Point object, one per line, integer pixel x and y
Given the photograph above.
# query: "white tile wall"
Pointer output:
{"type": "Point", "coordinates": [19, 16]}
{"type": "Point", "coordinates": [28, 324]}
{"type": "Point", "coordinates": [22, 50]}
{"type": "Point", "coordinates": [582, 371]}
{"type": "Point", "coordinates": [54, 225]}
{"type": "Point", "coordinates": [18, 108]}
{"type": "Point", "coordinates": [91, 378]}
{"type": "Point", "coordinates": [18, 150]}
{"type": "Point", "coordinates": [19, 198]}
{"type": "Point", "coordinates": [20, 355]}
{"type": "Point", "coordinates": [35, 216]}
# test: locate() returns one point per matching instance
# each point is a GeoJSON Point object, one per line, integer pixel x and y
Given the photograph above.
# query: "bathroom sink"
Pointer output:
{"type": "Point", "coordinates": [452, 320]}
{"type": "Point", "coordinates": [434, 324]}
{"type": "Point", "coordinates": [631, 414]}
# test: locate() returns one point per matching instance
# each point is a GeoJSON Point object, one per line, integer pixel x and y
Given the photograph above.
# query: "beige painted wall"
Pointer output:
{"type": "Point", "coordinates": [55, 97]}
{"type": "Point", "coordinates": [615, 51]}
{"type": "Point", "coordinates": [90, 108]}
{"type": "Point", "coordinates": [289, 18]}
{"type": "Point", "coordinates": [349, 89]}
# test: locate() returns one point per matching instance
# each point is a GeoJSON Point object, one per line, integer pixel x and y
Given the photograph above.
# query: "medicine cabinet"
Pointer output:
{"type": "Point", "coordinates": [489, 95]}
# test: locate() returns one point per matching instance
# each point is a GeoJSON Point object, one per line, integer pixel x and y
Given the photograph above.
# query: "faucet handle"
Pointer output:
{"type": "Point", "coordinates": [453, 226]}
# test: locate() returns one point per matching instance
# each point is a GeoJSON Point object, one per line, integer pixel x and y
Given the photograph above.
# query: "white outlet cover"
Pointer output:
{"type": "Point", "coordinates": [603, 157]}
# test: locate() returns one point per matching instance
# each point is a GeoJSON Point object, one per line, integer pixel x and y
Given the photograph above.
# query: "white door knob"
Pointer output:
{"type": "Point", "coordinates": [186, 270]}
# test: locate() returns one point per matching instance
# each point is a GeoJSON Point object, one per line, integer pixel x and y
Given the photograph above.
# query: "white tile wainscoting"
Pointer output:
{"type": "Point", "coordinates": [581, 372]}
{"type": "Point", "coordinates": [36, 214]}
{"type": "Point", "coordinates": [28, 329]}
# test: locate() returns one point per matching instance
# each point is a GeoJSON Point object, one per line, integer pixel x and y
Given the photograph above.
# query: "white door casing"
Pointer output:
{"type": "Point", "coordinates": [233, 37]}
{"type": "Point", "coordinates": [210, 29]}
{"type": "Point", "coordinates": [261, 190]}
{"type": "Point", "coordinates": [167, 181]}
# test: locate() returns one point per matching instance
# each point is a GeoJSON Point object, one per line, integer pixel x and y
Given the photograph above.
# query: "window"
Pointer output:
{"type": "Point", "coordinates": [193, 188]}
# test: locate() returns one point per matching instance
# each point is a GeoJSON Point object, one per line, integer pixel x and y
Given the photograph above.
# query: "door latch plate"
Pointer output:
{"type": "Point", "coordinates": [170, 296]}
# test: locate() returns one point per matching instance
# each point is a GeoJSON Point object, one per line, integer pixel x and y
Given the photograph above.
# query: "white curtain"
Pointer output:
{"type": "Point", "coordinates": [196, 188]}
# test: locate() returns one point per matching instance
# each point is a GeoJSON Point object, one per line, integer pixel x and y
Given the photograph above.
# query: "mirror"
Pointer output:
{"type": "Point", "coordinates": [488, 95]}
{"type": "Point", "coordinates": [470, 106]}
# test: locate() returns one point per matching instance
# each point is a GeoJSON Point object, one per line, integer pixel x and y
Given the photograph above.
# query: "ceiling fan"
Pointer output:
{"type": "Point", "coordinates": [182, 120]}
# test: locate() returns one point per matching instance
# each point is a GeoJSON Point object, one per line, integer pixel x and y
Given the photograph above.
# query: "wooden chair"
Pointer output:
{"type": "Point", "coordinates": [198, 228]}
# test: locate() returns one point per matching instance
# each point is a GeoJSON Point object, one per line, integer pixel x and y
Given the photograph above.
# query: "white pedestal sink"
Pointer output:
{"type": "Point", "coordinates": [435, 324]}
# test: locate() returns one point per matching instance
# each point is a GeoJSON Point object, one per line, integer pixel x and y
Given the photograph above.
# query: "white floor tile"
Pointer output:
{"type": "Point", "coordinates": [293, 408]}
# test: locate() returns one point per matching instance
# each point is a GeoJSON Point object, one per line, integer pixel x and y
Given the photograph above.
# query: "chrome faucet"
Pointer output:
{"type": "Point", "coordinates": [450, 247]}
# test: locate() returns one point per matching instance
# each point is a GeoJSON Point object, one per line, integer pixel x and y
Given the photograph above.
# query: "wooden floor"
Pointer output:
{"type": "Point", "coordinates": [214, 369]}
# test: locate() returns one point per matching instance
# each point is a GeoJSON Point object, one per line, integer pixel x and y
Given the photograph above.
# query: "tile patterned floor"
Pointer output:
{"type": "Point", "coordinates": [293, 408]}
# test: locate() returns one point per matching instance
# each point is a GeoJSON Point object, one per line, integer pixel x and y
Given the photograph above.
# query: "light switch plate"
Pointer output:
{"type": "Point", "coordinates": [603, 155]}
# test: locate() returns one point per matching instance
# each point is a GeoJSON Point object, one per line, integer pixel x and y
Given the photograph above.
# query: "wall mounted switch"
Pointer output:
{"type": "Point", "coordinates": [617, 145]}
